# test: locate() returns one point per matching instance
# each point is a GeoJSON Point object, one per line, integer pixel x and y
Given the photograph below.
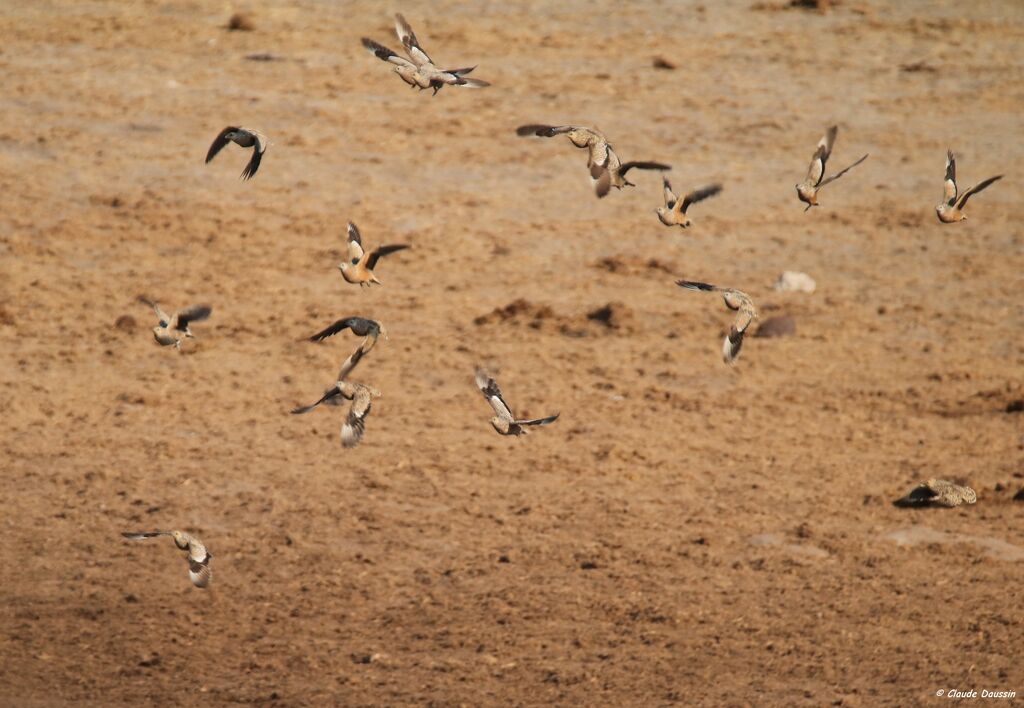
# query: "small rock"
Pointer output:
{"type": "Point", "coordinates": [240, 23]}
{"type": "Point", "coordinates": [1015, 406]}
{"type": "Point", "coordinates": [792, 281]}
{"type": "Point", "coordinates": [662, 63]}
{"type": "Point", "coordinates": [781, 326]}
{"type": "Point", "coordinates": [1019, 496]}
{"type": "Point", "coordinates": [126, 323]}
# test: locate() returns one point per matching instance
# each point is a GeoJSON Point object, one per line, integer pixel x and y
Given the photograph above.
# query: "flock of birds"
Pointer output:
{"type": "Point", "coordinates": [606, 171]}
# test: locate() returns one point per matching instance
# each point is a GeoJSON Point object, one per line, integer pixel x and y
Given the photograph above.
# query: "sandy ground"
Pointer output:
{"type": "Point", "coordinates": [685, 533]}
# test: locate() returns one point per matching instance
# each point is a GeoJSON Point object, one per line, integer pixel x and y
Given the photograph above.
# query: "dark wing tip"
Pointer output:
{"type": "Point", "coordinates": [534, 129]}
{"type": "Point", "coordinates": [695, 285]}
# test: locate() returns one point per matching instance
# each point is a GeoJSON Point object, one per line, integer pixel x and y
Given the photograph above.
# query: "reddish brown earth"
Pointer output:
{"type": "Point", "coordinates": [685, 533]}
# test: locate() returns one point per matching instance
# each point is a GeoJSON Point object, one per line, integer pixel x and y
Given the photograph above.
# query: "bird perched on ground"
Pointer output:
{"type": "Point", "coordinates": [359, 267]}
{"type": "Point", "coordinates": [504, 422]}
{"type": "Point", "coordinates": [807, 190]}
{"type": "Point", "coordinates": [355, 423]}
{"type": "Point", "coordinates": [198, 556]}
{"type": "Point", "coordinates": [951, 209]}
{"type": "Point", "coordinates": [674, 211]}
{"type": "Point", "coordinates": [937, 492]}
{"type": "Point", "coordinates": [173, 328]}
{"type": "Point", "coordinates": [606, 170]}
{"type": "Point", "coordinates": [420, 72]}
{"type": "Point", "coordinates": [243, 138]}
{"type": "Point", "coordinates": [737, 301]}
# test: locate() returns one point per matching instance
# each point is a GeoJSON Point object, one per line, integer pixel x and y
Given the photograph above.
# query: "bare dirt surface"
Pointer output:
{"type": "Point", "coordinates": [686, 532]}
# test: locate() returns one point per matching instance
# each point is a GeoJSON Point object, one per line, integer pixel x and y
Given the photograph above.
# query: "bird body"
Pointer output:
{"type": "Point", "coordinates": [737, 301]}
{"type": "Point", "coordinates": [360, 264]}
{"type": "Point", "coordinates": [606, 170]}
{"type": "Point", "coordinates": [807, 190]}
{"type": "Point", "coordinates": [173, 328]}
{"type": "Point", "coordinates": [951, 209]}
{"type": "Point", "coordinates": [198, 557]}
{"type": "Point", "coordinates": [674, 211]}
{"type": "Point", "coordinates": [504, 422]}
{"type": "Point", "coordinates": [938, 492]}
{"type": "Point", "coordinates": [354, 425]}
{"type": "Point", "coordinates": [242, 137]}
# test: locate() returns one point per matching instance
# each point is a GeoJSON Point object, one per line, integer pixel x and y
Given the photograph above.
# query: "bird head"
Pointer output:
{"type": "Point", "coordinates": [179, 540]}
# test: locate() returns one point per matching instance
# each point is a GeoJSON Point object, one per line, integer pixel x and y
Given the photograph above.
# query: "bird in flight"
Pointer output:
{"type": "Point", "coordinates": [606, 170]}
{"type": "Point", "coordinates": [173, 328]}
{"type": "Point", "coordinates": [737, 301]}
{"type": "Point", "coordinates": [807, 191]}
{"type": "Point", "coordinates": [360, 326]}
{"type": "Point", "coordinates": [360, 264]}
{"type": "Point", "coordinates": [938, 492]}
{"type": "Point", "coordinates": [419, 70]}
{"type": "Point", "coordinates": [354, 426]}
{"type": "Point", "coordinates": [951, 208]}
{"type": "Point", "coordinates": [198, 556]}
{"type": "Point", "coordinates": [243, 138]}
{"type": "Point", "coordinates": [674, 211]}
{"type": "Point", "coordinates": [503, 421]}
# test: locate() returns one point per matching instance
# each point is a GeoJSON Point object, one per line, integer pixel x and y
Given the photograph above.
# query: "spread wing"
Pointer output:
{"type": "Point", "coordinates": [331, 393]}
{"type": "Point", "coordinates": [258, 148]}
{"type": "Point", "coordinates": [544, 131]}
{"type": "Point", "coordinates": [539, 421]}
{"type": "Point", "coordinates": [199, 573]}
{"type": "Point", "coordinates": [817, 167]}
{"type": "Point", "coordinates": [409, 41]}
{"type": "Point", "coordinates": [699, 195]}
{"type": "Point", "coordinates": [602, 181]}
{"type": "Point", "coordinates": [380, 251]}
{"type": "Point", "coordinates": [385, 54]}
{"type": "Point", "coordinates": [161, 315]}
{"type": "Point", "coordinates": [468, 83]}
{"type": "Point", "coordinates": [949, 186]}
{"type": "Point", "coordinates": [642, 165]}
{"type": "Point", "coordinates": [489, 387]}
{"type": "Point", "coordinates": [355, 424]}
{"type": "Point", "coordinates": [670, 196]}
{"type": "Point", "coordinates": [975, 189]}
{"type": "Point", "coordinates": [220, 141]}
{"type": "Point", "coordinates": [196, 313]}
{"type": "Point", "coordinates": [139, 535]}
{"type": "Point", "coordinates": [842, 172]}
{"type": "Point", "coordinates": [354, 358]}
{"type": "Point", "coordinates": [694, 285]}
{"type": "Point", "coordinates": [355, 242]}
{"type": "Point", "coordinates": [360, 326]}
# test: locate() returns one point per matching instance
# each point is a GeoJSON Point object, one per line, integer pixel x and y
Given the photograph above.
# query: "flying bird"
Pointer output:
{"type": "Point", "coordinates": [503, 421]}
{"type": "Point", "coordinates": [359, 267]}
{"type": "Point", "coordinates": [198, 556]}
{"type": "Point", "coordinates": [807, 191]}
{"type": "Point", "coordinates": [951, 209]}
{"type": "Point", "coordinates": [737, 301]}
{"type": "Point", "coordinates": [606, 170]}
{"type": "Point", "coordinates": [354, 426]}
{"type": "Point", "coordinates": [173, 328]}
{"type": "Point", "coordinates": [360, 326]}
{"type": "Point", "coordinates": [674, 211]}
{"type": "Point", "coordinates": [419, 70]}
{"type": "Point", "coordinates": [242, 138]}
{"type": "Point", "coordinates": [937, 492]}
